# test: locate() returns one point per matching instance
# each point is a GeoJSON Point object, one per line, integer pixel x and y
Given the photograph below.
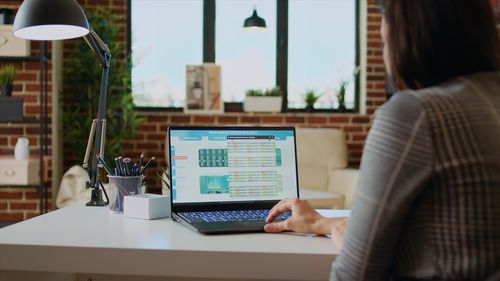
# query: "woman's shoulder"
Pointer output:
{"type": "Point", "coordinates": [462, 90]}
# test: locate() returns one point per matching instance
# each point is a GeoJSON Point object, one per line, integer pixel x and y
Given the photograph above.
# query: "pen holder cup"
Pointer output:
{"type": "Point", "coordinates": [120, 187]}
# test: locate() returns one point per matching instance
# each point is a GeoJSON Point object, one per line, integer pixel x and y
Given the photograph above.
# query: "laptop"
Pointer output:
{"type": "Point", "coordinates": [226, 179]}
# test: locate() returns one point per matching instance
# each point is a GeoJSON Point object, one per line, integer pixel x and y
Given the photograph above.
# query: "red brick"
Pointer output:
{"type": "Point", "coordinates": [11, 216]}
{"type": "Point", "coordinates": [30, 98]}
{"type": "Point", "coordinates": [250, 119]}
{"type": "Point", "coordinates": [361, 119]}
{"type": "Point", "coordinates": [295, 120]}
{"type": "Point", "coordinates": [23, 206]}
{"type": "Point", "coordinates": [147, 146]}
{"type": "Point", "coordinates": [272, 119]}
{"type": "Point", "coordinates": [11, 131]}
{"type": "Point", "coordinates": [227, 119]}
{"type": "Point", "coordinates": [354, 146]}
{"type": "Point", "coordinates": [359, 137]}
{"type": "Point", "coordinates": [353, 129]}
{"type": "Point", "coordinates": [32, 195]}
{"type": "Point", "coordinates": [26, 77]}
{"type": "Point", "coordinates": [32, 215]}
{"type": "Point", "coordinates": [204, 119]}
{"type": "Point", "coordinates": [11, 194]}
{"type": "Point", "coordinates": [149, 128]}
{"type": "Point", "coordinates": [3, 141]}
{"type": "Point", "coordinates": [3, 205]}
{"type": "Point", "coordinates": [339, 119]}
{"type": "Point", "coordinates": [155, 137]}
{"type": "Point", "coordinates": [180, 119]}
{"type": "Point", "coordinates": [157, 118]}
{"type": "Point", "coordinates": [316, 120]}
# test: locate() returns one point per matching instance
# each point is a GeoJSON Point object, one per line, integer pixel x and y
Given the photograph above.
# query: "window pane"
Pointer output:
{"type": "Point", "coordinates": [247, 57]}
{"type": "Point", "coordinates": [321, 50]}
{"type": "Point", "coordinates": [166, 36]}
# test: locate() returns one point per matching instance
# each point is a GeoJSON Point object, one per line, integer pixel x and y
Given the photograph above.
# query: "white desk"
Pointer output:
{"type": "Point", "coordinates": [91, 240]}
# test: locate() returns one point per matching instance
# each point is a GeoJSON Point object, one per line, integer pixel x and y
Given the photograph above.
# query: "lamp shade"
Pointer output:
{"type": "Point", "coordinates": [50, 20]}
{"type": "Point", "coordinates": [254, 21]}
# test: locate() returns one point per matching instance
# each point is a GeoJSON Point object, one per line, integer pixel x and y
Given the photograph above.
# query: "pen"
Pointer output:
{"type": "Point", "coordinates": [147, 164]}
{"type": "Point", "coordinates": [126, 162]}
{"type": "Point", "coordinates": [104, 164]}
{"type": "Point", "coordinates": [121, 166]}
{"type": "Point", "coordinates": [134, 170]}
{"type": "Point", "coordinates": [140, 160]}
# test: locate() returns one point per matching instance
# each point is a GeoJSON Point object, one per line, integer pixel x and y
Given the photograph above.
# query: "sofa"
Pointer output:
{"type": "Point", "coordinates": [324, 178]}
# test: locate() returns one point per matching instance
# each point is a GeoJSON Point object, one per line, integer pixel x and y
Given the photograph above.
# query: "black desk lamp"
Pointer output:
{"type": "Point", "coordinates": [65, 19]}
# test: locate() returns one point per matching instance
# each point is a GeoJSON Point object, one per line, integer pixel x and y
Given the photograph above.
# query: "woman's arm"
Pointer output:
{"type": "Point", "coordinates": [396, 166]}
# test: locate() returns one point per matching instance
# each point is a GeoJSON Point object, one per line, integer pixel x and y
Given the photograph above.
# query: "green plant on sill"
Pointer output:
{"type": "Point", "coordinates": [274, 92]}
{"type": "Point", "coordinates": [7, 74]}
{"type": "Point", "coordinates": [310, 98]}
{"type": "Point", "coordinates": [82, 77]}
{"type": "Point", "coordinates": [341, 94]}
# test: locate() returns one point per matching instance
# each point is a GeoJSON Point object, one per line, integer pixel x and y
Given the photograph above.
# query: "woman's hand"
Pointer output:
{"type": "Point", "coordinates": [304, 218]}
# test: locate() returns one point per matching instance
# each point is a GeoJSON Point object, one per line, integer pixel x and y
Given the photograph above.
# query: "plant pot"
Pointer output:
{"type": "Point", "coordinates": [262, 104]}
{"type": "Point", "coordinates": [6, 90]}
{"type": "Point", "coordinates": [341, 108]}
{"type": "Point", "coordinates": [310, 108]}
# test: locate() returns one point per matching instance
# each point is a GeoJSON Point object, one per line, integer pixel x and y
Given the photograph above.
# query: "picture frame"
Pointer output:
{"type": "Point", "coordinates": [203, 89]}
{"type": "Point", "coordinates": [11, 46]}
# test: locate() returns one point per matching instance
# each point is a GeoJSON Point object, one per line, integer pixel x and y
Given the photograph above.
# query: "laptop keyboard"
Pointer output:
{"type": "Point", "coordinates": [229, 216]}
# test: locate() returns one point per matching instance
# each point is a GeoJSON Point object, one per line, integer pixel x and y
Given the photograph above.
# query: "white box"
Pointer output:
{"type": "Point", "coordinates": [146, 206]}
{"type": "Point", "coordinates": [10, 45]}
{"type": "Point", "coordinates": [19, 172]}
{"type": "Point", "coordinates": [262, 104]}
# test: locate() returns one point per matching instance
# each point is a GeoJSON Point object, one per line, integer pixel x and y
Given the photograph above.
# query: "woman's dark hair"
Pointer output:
{"type": "Point", "coordinates": [432, 41]}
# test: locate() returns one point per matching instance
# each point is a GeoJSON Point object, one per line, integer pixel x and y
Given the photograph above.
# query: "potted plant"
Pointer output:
{"type": "Point", "coordinates": [310, 98]}
{"type": "Point", "coordinates": [7, 74]}
{"type": "Point", "coordinates": [341, 95]}
{"type": "Point", "coordinates": [263, 101]}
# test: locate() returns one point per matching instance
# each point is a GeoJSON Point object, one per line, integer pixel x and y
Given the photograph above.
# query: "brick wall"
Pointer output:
{"type": "Point", "coordinates": [19, 203]}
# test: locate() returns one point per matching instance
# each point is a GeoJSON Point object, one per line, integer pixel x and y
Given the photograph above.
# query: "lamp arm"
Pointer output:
{"type": "Point", "coordinates": [101, 49]}
{"type": "Point", "coordinates": [103, 54]}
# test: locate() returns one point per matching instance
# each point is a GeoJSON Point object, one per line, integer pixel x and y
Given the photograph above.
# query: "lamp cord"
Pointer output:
{"type": "Point", "coordinates": [104, 190]}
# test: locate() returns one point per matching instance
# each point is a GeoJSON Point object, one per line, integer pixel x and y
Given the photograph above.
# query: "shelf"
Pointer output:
{"type": "Point", "coordinates": [26, 120]}
{"type": "Point", "coordinates": [19, 58]}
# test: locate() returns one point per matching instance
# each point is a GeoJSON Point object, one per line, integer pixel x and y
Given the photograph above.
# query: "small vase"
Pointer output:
{"type": "Point", "coordinates": [310, 108]}
{"type": "Point", "coordinates": [21, 150]}
{"type": "Point", "coordinates": [6, 90]}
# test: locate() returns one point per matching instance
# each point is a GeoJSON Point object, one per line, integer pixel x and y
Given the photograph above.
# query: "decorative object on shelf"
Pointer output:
{"type": "Point", "coordinates": [10, 45]}
{"type": "Point", "coordinates": [263, 101]}
{"type": "Point", "coordinates": [22, 149]}
{"type": "Point", "coordinates": [65, 19]}
{"type": "Point", "coordinates": [7, 74]}
{"type": "Point", "coordinates": [310, 98]}
{"type": "Point", "coordinates": [203, 93]}
{"type": "Point", "coordinates": [19, 172]}
{"type": "Point", "coordinates": [254, 21]}
{"type": "Point", "coordinates": [6, 16]}
{"type": "Point", "coordinates": [11, 109]}
{"type": "Point", "coordinates": [341, 95]}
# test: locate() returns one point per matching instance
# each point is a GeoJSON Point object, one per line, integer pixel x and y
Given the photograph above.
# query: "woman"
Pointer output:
{"type": "Point", "coordinates": [427, 205]}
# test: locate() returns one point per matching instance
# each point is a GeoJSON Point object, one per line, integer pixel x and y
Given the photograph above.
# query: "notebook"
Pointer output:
{"type": "Point", "coordinates": [226, 179]}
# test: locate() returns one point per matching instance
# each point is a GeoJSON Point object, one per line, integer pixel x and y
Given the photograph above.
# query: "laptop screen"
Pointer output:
{"type": "Point", "coordinates": [232, 164]}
